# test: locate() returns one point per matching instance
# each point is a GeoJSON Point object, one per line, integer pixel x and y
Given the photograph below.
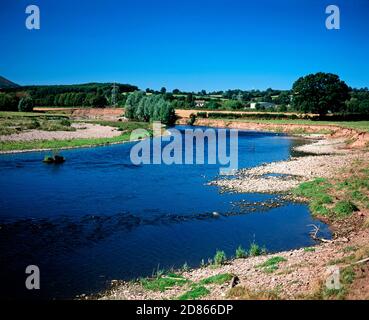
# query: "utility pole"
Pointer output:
{"type": "Point", "coordinates": [114, 92]}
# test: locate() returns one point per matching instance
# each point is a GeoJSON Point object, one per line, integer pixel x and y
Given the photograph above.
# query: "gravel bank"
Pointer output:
{"type": "Point", "coordinates": [83, 130]}
{"type": "Point", "coordinates": [286, 175]}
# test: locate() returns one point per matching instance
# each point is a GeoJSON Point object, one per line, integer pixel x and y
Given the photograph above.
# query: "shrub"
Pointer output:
{"type": "Point", "coordinates": [256, 250]}
{"type": "Point", "coordinates": [26, 105]}
{"type": "Point", "coordinates": [241, 253]}
{"type": "Point", "coordinates": [220, 258]}
{"type": "Point", "coordinates": [192, 119]}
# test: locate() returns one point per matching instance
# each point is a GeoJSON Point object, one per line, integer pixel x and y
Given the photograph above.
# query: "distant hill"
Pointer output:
{"type": "Point", "coordinates": [5, 83]}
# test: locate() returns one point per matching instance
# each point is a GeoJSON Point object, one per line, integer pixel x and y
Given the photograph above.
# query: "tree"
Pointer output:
{"type": "Point", "coordinates": [26, 104]}
{"type": "Point", "coordinates": [359, 102]}
{"type": "Point", "coordinates": [132, 103]}
{"type": "Point", "coordinates": [283, 98]}
{"type": "Point", "coordinates": [163, 90]}
{"type": "Point", "coordinates": [98, 101]}
{"type": "Point", "coordinates": [320, 93]}
{"type": "Point", "coordinates": [232, 105]}
{"type": "Point", "coordinates": [8, 102]}
{"type": "Point", "coordinates": [212, 105]}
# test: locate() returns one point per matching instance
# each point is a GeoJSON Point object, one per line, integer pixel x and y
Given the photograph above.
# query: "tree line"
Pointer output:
{"type": "Point", "coordinates": [314, 93]}
{"type": "Point", "coordinates": [154, 107]}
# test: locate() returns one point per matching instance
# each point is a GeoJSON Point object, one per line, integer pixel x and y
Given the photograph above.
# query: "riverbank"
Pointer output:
{"type": "Point", "coordinates": [27, 132]}
{"type": "Point", "coordinates": [334, 182]}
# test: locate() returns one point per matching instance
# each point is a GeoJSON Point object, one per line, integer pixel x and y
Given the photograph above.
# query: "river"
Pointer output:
{"type": "Point", "coordinates": [97, 217]}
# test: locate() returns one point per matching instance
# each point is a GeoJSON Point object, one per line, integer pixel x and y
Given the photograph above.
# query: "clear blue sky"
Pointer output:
{"type": "Point", "coordinates": [185, 44]}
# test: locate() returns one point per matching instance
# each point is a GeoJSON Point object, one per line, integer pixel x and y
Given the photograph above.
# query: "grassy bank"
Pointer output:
{"type": "Point", "coordinates": [16, 122]}
{"type": "Point", "coordinates": [338, 198]}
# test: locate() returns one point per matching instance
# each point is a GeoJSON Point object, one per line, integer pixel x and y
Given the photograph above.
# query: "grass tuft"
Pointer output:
{"type": "Point", "coordinates": [195, 293]}
{"type": "Point", "coordinates": [217, 279]}
{"type": "Point", "coordinates": [163, 282]}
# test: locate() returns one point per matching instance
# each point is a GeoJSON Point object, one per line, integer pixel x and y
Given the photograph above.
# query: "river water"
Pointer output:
{"type": "Point", "coordinates": [98, 217]}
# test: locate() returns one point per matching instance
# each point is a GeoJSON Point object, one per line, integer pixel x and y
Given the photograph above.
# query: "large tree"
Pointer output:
{"type": "Point", "coordinates": [320, 93]}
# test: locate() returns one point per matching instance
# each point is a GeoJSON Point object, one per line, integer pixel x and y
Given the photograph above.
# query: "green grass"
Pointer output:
{"type": "Point", "coordinates": [344, 208]}
{"type": "Point", "coordinates": [339, 197]}
{"type": "Point", "coordinates": [195, 293]}
{"type": "Point", "coordinates": [271, 264]}
{"type": "Point", "coordinates": [309, 249]}
{"type": "Point", "coordinates": [217, 279]}
{"type": "Point", "coordinates": [163, 282]}
{"type": "Point", "coordinates": [317, 191]}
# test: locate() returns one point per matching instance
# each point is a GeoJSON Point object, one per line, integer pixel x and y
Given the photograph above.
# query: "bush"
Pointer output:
{"type": "Point", "coordinates": [241, 253]}
{"type": "Point", "coordinates": [220, 258]}
{"type": "Point", "coordinates": [26, 105]}
{"type": "Point", "coordinates": [202, 114]}
{"type": "Point", "coordinates": [192, 119]}
{"type": "Point", "coordinates": [256, 250]}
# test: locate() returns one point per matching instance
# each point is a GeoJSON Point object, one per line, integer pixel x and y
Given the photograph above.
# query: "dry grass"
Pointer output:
{"type": "Point", "coordinates": [242, 293]}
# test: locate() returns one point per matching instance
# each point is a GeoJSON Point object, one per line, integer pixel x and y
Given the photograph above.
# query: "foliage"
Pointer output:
{"type": "Point", "coordinates": [220, 258]}
{"type": "Point", "coordinates": [241, 252]}
{"type": "Point", "coordinates": [8, 102]}
{"type": "Point", "coordinates": [149, 108]}
{"type": "Point", "coordinates": [256, 250]}
{"type": "Point", "coordinates": [320, 93]}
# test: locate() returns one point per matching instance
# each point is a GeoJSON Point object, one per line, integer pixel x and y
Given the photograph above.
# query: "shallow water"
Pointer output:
{"type": "Point", "coordinates": [97, 217]}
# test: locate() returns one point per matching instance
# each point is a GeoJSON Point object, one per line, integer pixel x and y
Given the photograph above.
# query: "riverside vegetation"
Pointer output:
{"type": "Point", "coordinates": [16, 122]}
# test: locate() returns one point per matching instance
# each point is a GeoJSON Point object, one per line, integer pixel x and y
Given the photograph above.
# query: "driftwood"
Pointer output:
{"type": "Point", "coordinates": [314, 234]}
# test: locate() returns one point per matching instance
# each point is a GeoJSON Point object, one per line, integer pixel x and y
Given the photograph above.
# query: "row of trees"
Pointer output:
{"type": "Point", "coordinates": [154, 107]}
{"type": "Point", "coordinates": [83, 95]}
{"type": "Point", "coordinates": [315, 93]}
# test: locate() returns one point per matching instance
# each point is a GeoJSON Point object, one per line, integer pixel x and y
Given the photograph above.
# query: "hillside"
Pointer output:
{"type": "Point", "coordinates": [5, 83]}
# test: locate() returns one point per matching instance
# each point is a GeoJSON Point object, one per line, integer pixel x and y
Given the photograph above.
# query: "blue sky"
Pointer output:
{"type": "Point", "coordinates": [190, 45]}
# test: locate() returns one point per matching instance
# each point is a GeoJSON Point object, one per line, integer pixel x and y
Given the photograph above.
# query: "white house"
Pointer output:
{"type": "Point", "coordinates": [266, 105]}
